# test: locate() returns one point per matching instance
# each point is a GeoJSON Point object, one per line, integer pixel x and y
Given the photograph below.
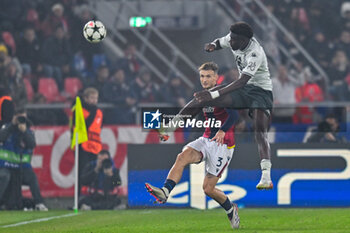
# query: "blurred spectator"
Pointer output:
{"type": "Point", "coordinates": [68, 71]}
{"type": "Point", "coordinates": [80, 66]}
{"type": "Point", "coordinates": [54, 19]}
{"type": "Point", "coordinates": [100, 179]}
{"type": "Point", "coordinates": [6, 107]}
{"type": "Point", "coordinates": [146, 90]}
{"type": "Point", "coordinates": [5, 62]}
{"type": "Point", "coordinates": [270, 39]}
{"type": "Point", "coordinates": [16, 151]}
{"type": "Point", "coordinates": [56, 53]}
{"type": "Point", "coordinates": [16, 85]}
{"type": "Point", "coordinates": [29, 52]}
{"type": "Point", "coordinates": [93, 121]}
{"type": "Point", "coordinates": [284, 86]}
{"type": "Point", "coordinates": [11, 77]}
{"type": "Point", "coordinates": [298, 23]}
{"type": "Point", "coordinates": [338, 71]}
{"type": "Point", "coordinates": [344, 42]}
{"type": "Point", "coordinates": [10, 13]}
{"type": "Point", "coordinates": [309, 92]}
{"type": "Point", "coordinates": [130, 63]}
{"type": "Point", "coordinates": [101, 79]}
{"type": "Point", "coordinates": [319, 48]}
{"type": "Point", "coordinates": [32, 17]}
{"type": "Point", "coordinates": [327, 132]}
{"type": "Point", "coordinates": [9, 41]}
{"type": "Point", "coordinates": [119, 93]}
{"type": "Point", "coordinates": [345, 14]}
{"type": "Point", "coordinates": [173, 91]}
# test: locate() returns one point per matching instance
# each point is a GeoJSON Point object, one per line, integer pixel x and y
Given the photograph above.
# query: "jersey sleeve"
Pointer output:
{"type": "Point", "coordinates": [231, 119]}
{"type": "Point", "coordinates": [254, 60]}
{"type": "Point", "coordinates": [224, 41]}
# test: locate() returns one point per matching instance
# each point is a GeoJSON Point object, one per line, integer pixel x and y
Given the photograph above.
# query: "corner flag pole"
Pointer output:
{"type": "Point", "coordinates": [76, 174]}
{"type": "Point", "coordinates": [79, 136]}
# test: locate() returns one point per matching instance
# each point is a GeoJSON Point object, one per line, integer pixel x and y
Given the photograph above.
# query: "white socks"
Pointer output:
{"type": "Point", "coordinates": [265, 165]}
{"type": "Point", "coordinates": [166, 191]}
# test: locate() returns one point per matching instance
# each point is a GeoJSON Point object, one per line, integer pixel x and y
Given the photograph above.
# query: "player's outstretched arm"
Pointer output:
{"type": "Point", "coordinates": [242, 81]}
{"type": "Point", "coordinates": [205, 95]}
{"type": "Point", "coordinates": [191, 109]}
{"type": "Point", "coordinates": [217, 44]}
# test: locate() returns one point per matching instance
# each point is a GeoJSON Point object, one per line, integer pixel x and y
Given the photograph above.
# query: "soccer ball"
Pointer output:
{"type": "Point", "coordinates": [94, 31]}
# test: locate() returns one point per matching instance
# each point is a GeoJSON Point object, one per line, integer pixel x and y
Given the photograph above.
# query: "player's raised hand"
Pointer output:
{"type": "Point", "coordinates": [219, 137]}
{"type": "Point", "coordinates": [202, 96]}
{"type": "Point", "coordinates": [209, 47]}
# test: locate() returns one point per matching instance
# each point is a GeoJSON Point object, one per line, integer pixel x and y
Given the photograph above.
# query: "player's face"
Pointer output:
{"type": "Point", "coordinates": [208, 78]}
{"type": "Point", "coordinates": [92, 99]}
{"type": "Point", "coordinates": [235, 41]}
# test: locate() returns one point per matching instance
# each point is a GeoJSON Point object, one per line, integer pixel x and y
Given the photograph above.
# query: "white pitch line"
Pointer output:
{"type": "Point", "coordinates": [39, 220]}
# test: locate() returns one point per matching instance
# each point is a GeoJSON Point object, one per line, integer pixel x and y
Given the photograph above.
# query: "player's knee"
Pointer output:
{"type": "Point", "coordinates": [182, 158]}
{"type": "Point", "coordinates": [208, 189]}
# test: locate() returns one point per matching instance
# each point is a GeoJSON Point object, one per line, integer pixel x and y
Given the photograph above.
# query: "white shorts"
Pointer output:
{"type": "Point", "coordinates": [217, 157]}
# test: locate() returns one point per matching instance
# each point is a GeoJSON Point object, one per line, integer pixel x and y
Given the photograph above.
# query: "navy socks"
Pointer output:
{"type": "Point", "coordinates": [169, 184]}
{"type": "Point", "coordinates": [227, 205]}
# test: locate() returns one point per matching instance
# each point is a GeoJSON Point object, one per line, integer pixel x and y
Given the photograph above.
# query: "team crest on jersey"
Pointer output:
{"type": "Point", "coordinates": [254, 55]}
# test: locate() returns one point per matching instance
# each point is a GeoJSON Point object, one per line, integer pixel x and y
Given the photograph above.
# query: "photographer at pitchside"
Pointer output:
{"type": "Point", "coordinates": [16, 150]}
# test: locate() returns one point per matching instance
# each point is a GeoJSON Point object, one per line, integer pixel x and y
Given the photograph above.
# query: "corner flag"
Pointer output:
{"type": "Point", "coordinates": [80, 126]}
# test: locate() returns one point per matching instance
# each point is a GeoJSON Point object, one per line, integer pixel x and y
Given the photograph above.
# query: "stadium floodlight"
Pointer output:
{"type": "Point", "coordinates": [139, 21]}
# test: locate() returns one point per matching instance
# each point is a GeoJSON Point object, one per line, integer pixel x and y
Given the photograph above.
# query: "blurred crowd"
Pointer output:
{"type": "Point", "coordinates": [44, 58]}
{"type": "Point", "coordinates": [323, 28]}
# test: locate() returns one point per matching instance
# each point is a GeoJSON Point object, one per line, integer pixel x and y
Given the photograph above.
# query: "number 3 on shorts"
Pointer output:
{"type": "Point", "coordinates": [219, 161]}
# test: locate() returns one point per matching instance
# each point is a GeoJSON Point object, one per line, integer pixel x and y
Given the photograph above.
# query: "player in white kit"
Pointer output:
{"type": "Point", "coordinates": [253, 89]}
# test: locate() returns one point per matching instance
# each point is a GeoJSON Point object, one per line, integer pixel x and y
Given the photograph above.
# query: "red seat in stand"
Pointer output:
{"type": "Point", "coordinates": [29, 89]}
{"type": "Point", "coordinates": [72, 86]}
{"type": "Point", "coordinates": [48, 88]}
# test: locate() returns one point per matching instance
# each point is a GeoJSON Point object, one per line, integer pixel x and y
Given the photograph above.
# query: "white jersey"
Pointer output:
{"type": "Point", "coordinates": [251, 61]}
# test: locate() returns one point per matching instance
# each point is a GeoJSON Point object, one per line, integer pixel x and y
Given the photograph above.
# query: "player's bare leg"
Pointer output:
{"type": "Point", "coordinates": [188, 156]}
{"type": "Point", "coordinates": [210, 190]}
{"type": "Point", "coordinates": [261, 126]}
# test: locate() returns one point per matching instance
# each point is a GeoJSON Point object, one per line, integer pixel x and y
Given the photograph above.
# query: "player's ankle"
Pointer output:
{"type": "Point", "coordinates": [265, 165]}
{"type": "Point", "coordinates": [166, 191]}
{"type": "Point", "coordinates": [169, 185]}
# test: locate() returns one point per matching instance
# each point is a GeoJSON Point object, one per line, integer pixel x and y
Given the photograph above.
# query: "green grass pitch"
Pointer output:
{"type": "Point", "coordinates": [182, 220]}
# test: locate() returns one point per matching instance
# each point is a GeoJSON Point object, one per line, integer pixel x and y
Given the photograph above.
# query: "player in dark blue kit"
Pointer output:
{"type": "Point", "coordinates": [216, 147]}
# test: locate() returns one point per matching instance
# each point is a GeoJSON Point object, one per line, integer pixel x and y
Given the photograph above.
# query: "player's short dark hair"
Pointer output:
{"type": "Point", "coordinates": [243, 29]}
{"type": "Point", "coordinates": [209, 66]}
